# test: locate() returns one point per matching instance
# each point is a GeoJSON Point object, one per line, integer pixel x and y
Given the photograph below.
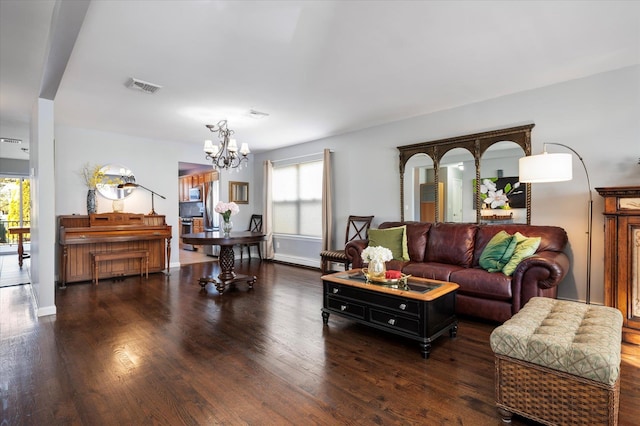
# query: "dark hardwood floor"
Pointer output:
{"type": "Point", "coordinates": [160, 352]}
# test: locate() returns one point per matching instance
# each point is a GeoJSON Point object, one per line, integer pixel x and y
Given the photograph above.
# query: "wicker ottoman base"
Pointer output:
{"type": "Point", "coordinates": [553, 397]}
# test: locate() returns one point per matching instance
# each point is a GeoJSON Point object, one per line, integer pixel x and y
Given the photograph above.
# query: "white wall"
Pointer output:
{"type": "Point", "coordinates": [154, 164]}
{"type": "Point", "coordinates": [43, 223]}
{"type": "Point", "coordinates": [597, 116]}
{"type": "Point", "coordinates": [14, 129]}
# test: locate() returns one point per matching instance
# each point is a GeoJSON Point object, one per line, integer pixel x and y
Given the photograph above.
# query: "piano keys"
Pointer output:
{"type": "Point", "coordinates": [79, 236]}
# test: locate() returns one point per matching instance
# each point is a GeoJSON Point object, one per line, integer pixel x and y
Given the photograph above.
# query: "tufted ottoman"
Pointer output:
{"type": "Point", "coordinates": [558, 362]}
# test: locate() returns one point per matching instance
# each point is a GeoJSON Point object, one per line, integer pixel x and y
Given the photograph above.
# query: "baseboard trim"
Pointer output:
{"type": "Point", "coordinates": [300, 261]}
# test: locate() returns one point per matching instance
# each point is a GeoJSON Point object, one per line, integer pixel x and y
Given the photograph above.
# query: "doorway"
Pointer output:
{"type": "Point", "coordinates": [15, 219]}
{"type": "Point", "coordinates": [197, 186]}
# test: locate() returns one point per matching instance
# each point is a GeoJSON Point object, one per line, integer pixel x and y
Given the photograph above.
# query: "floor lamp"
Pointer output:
{"type": "Point", "coordinates": [557, 167]}
{"type": "Point", "coordinates": [137, 185]}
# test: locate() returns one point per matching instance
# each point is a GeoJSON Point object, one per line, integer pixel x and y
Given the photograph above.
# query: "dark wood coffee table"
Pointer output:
{"type": "Point", "coordinates": [416, 308]}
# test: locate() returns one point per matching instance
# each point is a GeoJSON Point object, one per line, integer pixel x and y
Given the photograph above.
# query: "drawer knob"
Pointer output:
{"type": "Point", "coordinates": [335, 290]}
{"type": "Point", "coordinates": [392, 321]}
{"type": "Point", "coordinates": [343, 307]}
{"type": "Point", "coordinates": [403, 306]}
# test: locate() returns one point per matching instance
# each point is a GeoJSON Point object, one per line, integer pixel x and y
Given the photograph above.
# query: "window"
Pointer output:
{"type": "Point", "coordinates": [297, 199]}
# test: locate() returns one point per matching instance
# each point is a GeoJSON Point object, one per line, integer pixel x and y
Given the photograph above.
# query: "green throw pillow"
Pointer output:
{"type": "Point", "coordinates": [498, 252]}
{"type": "Point", "coordinates": [395, 239]}
{"type": "Point", "coordinates": [525, 248]}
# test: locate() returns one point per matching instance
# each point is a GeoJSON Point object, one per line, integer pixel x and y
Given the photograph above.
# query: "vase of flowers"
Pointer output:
{"type": "Point", "coordinates": [92, 176]}
{"type": "Point", "coordinates": [376, 257]}
{"type": "Point", "coordinates": [227, 210]}
{"type": "Point", "coordinates": [227, 226]}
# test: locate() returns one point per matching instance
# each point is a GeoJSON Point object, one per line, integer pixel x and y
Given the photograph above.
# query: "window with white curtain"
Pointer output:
{"type": "Point", "coordinates": [297, 199]}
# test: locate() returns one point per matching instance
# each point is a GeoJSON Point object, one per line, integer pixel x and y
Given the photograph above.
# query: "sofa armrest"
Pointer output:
{"type": "Point", "coordinates": [538, 275]}
{"type": "Point", "coordinates": [353, 251]}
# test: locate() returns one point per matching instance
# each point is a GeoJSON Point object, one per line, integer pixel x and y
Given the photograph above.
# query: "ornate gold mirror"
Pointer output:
{"type": "Point", "coordinates": [441, 181]}
{"type": "Point", "coordinates": [239, 192]}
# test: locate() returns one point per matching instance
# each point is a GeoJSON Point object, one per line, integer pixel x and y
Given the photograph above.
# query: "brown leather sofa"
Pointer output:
{"type": "Point", "coordinates": [451, 251]}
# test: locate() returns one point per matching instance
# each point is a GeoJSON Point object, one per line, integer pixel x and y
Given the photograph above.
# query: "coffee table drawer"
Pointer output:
{"type": "Point", "coordinates": [342, 290]}
{"type": "Point", "coordinates": [400, 304]}
{"type": "Point", "coordinates": [346, 307]}
{"type": "Point", "coordinates": [395, 322]}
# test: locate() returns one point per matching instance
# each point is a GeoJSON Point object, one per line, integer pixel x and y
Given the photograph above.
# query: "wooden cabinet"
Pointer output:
{"type": "Point", "coordinates": [622, 256]}
{"type": "Point", "coordinates": [185, 183]}
{"type": "Point", "coordinates": [198, 225]}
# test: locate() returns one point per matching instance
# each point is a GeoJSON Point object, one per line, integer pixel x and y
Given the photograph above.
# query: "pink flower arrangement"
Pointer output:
{"type": "Point", "coordinates": [227, 209]}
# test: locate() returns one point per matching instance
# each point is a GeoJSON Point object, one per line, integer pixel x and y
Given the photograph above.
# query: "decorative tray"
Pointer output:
{"type": "Point", "coordinates": [402, 279]}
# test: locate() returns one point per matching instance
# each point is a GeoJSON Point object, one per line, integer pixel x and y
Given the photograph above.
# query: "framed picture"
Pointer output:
{"type": "Point", "coordinates": [517, 196]}
{"type": "Point", "coordinates": [239, 192]}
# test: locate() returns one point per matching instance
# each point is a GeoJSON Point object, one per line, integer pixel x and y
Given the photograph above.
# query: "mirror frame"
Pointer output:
{"type": "Point", "coordinates": [476, 144]}
{"type": "Point", "coordinates": [239, 192]}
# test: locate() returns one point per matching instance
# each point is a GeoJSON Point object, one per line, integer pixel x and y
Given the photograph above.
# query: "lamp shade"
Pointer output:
{"type": "Point", "coordinates": [545, 168]}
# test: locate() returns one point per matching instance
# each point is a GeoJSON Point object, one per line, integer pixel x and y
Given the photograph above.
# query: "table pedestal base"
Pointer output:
{"type": "Point", "coordinates": [227, 276]}
{"type": "Point", "coordinates": [222, 285]}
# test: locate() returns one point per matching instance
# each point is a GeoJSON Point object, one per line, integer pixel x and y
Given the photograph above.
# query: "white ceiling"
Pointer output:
{"type": "Point", "coordinates": [319, 68]}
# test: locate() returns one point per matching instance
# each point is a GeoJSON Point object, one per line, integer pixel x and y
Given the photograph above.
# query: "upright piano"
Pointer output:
{"type": "Point", "coordinates": [80, 235]}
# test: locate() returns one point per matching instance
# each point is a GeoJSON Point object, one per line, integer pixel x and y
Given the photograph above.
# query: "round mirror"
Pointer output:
{"type": "Point", "coordinates": [112, 176]}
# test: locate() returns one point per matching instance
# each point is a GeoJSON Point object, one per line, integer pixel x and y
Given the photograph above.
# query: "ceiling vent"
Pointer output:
{"type": "Point", "coordinates": [145, 86]}
{"type": "Point", "coordinates": [11, 140]}
{"type": "Point", "coordinates": [257, 114]}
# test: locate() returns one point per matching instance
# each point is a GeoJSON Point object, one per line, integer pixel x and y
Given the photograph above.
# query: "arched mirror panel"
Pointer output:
{"type": "Point", "coordinates": [419, 189]}
{"type": "Point", "coordinates": [456, 174]}
{"type": "Point", "coordinates": [503, 198]}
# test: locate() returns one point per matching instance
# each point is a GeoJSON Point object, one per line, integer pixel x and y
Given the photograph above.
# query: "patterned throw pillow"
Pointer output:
{"type": "Point", "coordinates": [526, 247]}
{"type": "Point", "coordinates": [498, 251]}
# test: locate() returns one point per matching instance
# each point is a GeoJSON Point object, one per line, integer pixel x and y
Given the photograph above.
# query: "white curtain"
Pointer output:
{"type": "Point", "coordinates": [327, 203]}
{"type": "Point", "coordinates": [267, 217]}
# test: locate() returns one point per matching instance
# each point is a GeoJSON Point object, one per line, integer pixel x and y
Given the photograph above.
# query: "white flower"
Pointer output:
{"type": "Point", "coordinates": [497, 197]}
{"type": "Point", "coordinates": [227, 209]}
{"type": "Point", "coordinates": [376, 253]}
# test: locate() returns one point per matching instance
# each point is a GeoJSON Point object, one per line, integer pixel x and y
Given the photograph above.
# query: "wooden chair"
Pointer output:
{"type": "Point", "coordinates": [357, 228]}
{"type": "Point", "coordinates": [255, 225]}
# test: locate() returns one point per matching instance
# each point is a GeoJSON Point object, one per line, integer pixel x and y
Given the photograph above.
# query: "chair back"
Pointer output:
{"type": "Point", "coordinates": [255, 224]}
{"type": "Point", "coordinates": [357, 228]}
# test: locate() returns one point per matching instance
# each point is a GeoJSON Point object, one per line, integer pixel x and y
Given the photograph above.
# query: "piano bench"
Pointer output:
{"type": "Point", "coordinates": [97, 257]}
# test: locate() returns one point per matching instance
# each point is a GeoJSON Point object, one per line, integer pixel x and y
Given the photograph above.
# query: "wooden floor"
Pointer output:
{"type": "Point", "coordinates": [160, 352]}
{"type": "Point", "coordinates": [10, 271]}
{"type": "Point", "coordinates": [188, 257]}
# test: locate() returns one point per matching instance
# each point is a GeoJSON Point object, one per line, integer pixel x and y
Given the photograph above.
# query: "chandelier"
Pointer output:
{"type": "Point", "coordinates": [225, 155]}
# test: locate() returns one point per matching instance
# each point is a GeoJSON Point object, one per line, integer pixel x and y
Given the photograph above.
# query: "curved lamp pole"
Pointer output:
{"type": "Point", "coordinates": [557, 167]}
{"type": "Point", "coordinates": [137, 185]}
